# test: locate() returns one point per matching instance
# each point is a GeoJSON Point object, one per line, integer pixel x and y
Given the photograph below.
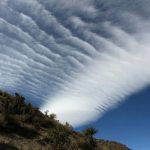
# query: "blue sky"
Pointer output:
{"type": "Point", "coordinates": [78, 59]}
{"type": "Point", "coordinates": [129, 123]}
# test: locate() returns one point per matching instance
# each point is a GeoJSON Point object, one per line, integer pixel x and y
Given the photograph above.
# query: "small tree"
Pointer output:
{"type": "Point", "coordinates": [90, 132]}
{"type": "Point", "coordinates": [52, 116]}
{"type": "Point", "coordinates": [46, 112]}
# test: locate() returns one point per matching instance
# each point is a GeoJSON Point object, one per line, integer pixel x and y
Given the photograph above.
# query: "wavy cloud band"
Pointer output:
{"type": "Point", "coordinates": [75, 58]}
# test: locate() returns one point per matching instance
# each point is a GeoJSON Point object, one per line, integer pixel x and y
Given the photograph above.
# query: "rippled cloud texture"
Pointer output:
{"type": "Point", "coordinates": [75, 58]}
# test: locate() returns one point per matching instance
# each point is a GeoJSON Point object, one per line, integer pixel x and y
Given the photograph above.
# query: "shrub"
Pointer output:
{"type": "Point", "coordinates": [90, 132]}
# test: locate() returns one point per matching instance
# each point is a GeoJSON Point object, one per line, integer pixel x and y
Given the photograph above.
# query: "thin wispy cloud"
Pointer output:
{"type": "Point", "coordinates": [77, 59]}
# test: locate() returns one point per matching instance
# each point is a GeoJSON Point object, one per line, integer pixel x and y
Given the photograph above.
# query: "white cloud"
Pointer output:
{"type": "Point", "coordinates": [118, 72]}
{"type": "Point", "coordinates": [80, 58]}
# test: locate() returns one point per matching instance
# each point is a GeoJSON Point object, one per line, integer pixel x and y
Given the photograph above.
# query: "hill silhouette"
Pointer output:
{"type": "Point", "coordinates": [24, 127]}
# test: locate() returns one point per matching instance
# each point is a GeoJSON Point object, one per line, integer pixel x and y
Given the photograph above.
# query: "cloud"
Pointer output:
{"type": "Point", "coordinates": [77, 59]}
{"type": "Point", "coordinates": [118, 72]}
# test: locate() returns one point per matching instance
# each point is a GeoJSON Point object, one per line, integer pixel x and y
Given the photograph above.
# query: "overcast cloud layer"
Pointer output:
{"type": "Point", "coordinates": [75, 58]}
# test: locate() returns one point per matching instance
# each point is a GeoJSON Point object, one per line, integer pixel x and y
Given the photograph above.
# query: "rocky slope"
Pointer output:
{"type": "Point", "coordinates": [24, 127]}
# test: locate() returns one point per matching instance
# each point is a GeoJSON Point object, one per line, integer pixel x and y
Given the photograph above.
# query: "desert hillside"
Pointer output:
{"type": "Point", "coordinates": [24, 127]}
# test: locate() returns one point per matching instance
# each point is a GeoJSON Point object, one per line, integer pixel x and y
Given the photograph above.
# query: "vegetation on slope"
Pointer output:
{"type": "Point", "coordinates": [24, 127]}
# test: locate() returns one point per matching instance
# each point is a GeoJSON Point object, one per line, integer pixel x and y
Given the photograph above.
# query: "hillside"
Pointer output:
{"type": "Point", "coordinates": [24, 127]}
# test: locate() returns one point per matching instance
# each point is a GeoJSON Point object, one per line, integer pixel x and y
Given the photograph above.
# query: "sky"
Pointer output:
{"type": "Point", "coordinates": [78, 59]}
{"type": "Point", "coordinates": [129, 123]}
